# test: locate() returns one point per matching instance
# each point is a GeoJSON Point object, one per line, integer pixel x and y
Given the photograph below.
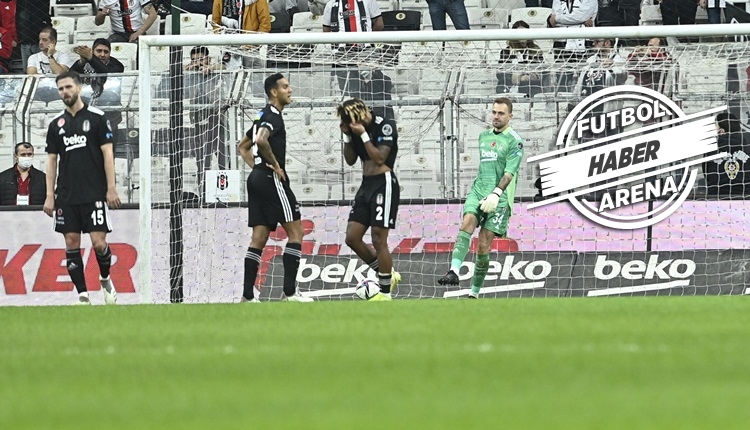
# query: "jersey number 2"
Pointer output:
{"type": "Point", "coordinates": [378, 213]}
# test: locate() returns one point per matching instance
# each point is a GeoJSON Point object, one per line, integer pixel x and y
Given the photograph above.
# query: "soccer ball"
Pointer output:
{"type": "Point", "coordinates": [367, 289]}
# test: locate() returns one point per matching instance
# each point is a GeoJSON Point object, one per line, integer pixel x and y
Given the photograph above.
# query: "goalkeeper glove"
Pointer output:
{"type": "Point", "coordinates": [489, 203]}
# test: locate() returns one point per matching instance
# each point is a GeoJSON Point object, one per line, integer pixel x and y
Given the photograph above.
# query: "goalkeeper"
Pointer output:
{"type": "Point", "coordinates": [490, 200]}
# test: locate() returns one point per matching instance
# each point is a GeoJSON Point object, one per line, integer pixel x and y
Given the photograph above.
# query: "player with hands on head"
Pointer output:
{"type": "Point", "coordinates": [373, 140]}
{"type": "Point", "coordinates": [270, 199]}
{"type": "Point", "coordinates": [79, 198]}
{"type": "Point", "coordinates": [489, 202]}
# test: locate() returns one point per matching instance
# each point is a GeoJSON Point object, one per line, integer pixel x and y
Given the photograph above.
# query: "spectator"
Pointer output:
{"type": "Point", "coordinates": [206, 91]}
{"type": "Point", "coordinates": [646, 64]}
{"type": "Point", "coordinates": [538, 3]}
{"type": "Point", "coordinates": [520, 55]}
{"type": "Point", "coordinates": [729, 175]}
{"type": "Point", "coordinates": [8, 35]}
{"type": "Point", "coordinates": [456, 9]}
{"type": "Point", "coordinates": [714, 9]}
{"type": "Point", "coordinates": [606, 68]}
{"type": "Point", "coordinates": [254, 16]}
{"type": "Point", "coordinates": [49, 60]}
{"type": "Point", "coordinates": [97, 60]}
{"type": "Point", "coordinates": [674, 12]}
{"type": "Point", "coordinates": [31, 18]}
{"type": "Point", "coordinates": [127, 25]}
{"type": "Point", "coordinates": [368, 18]}
{"type": "Point", "coordinates": [571, 13]}
{"type": "Point", "coordinates": [22, 184]}
{"type": "Point", "coordinates": [372, 86]}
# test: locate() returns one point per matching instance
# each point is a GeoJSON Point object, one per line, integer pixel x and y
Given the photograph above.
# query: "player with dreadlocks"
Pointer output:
{"type": "Point", "coordinates": [373, 140]}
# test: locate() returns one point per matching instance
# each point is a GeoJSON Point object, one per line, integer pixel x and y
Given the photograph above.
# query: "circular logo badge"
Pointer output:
{"type": "Point", "coordinates": [627, 157]}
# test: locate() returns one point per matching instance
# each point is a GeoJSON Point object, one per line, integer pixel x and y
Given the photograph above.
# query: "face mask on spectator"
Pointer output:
{"type": "Point", "coordinates": [25, 162]}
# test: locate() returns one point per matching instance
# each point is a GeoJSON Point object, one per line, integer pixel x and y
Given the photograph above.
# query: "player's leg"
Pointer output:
{"type": "Point", "coordinates": [463, 240]}
{"type": "Point", "coordinates": [482, 263]}
{"type": "Point", "coordinates": [252, 261]}
{"type": "Point", "coordinates": [495, 224]}
{"type": "Point", "coordinates": [291, 258]}
{"type": "Point", "coordinates": [385, 272]}
{"type": "Point", "coordinates": [383, 202]}
{"type": "Point", "coordinates": [355, 231]}
{"type": "Point", "coordinates": [97, 224]}
{"type": "Point", "coordinates": [75, 265]}
{"type": "Point", "coordinates": [68, 222]}
{"type": "Point", "coordinates": [359, 222]}
{"type": "Point", "coordinates": [258, 219]}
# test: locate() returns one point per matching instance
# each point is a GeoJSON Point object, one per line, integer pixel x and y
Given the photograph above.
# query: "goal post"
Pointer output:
{"type": "Point", "coordinates": [441, 94]}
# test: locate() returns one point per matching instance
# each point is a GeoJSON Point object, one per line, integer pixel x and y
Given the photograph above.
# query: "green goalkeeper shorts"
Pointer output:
{"type": "Point", "coordinates": [497, 221]}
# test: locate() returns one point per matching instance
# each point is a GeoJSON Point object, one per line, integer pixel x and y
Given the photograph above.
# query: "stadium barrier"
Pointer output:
{"type": "Point", "coordinates": [32, 270]}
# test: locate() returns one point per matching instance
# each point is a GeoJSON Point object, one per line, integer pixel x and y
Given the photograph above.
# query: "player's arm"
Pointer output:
{"type": "Point", "coordinates": [49, 202]}
{"type": "Point", "coordinates": [377, 154]}
{"type": "Point", "coordinates": [513, 159]}
{"type": "Point", "coordinates": [113, 200]}
{"type": "Point", "coordinates": [350, 156]}
{"type": "Point", "coordinates": [264, 149]}
{"type": "Point", "coordinates": [246, 150]}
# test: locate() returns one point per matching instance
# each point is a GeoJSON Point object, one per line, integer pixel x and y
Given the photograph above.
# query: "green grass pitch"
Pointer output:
{"type": "Point", "coordinates": [616, 363]}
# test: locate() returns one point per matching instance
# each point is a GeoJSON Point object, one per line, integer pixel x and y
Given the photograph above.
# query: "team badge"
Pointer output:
{"type": "Point", "coordinates": [59, 212]}
{"type": "Point", "coordinates": [493, 144]}
{"type": "Point", "coordinates": [520, 145]}
{"type": "Point", "coordinates": [379, 199]}
{"type": "Point", "coordinates": [61, 122]}
{"type": "Point", "coordinates": [222, 181]}
{"type": "Point", "coordinates": [387, 130]}
{"type": "Point", "coordinates": [86, 126]}
{"type": "Point", "coordinates": [732, 167]}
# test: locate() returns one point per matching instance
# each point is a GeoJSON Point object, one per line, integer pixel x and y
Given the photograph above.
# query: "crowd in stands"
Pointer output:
{"type": "Point", "coordinates": [46, 39]}
{"type": "Point", "coordinates": [22, 21]}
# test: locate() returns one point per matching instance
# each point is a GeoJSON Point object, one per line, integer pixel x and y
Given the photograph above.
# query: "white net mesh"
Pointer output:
{"type": "Point", "coordinates": [440, 94]}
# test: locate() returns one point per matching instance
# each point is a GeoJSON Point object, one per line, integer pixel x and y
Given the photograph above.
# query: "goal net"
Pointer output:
{"type": "Point", "coordinates": [200, 93]}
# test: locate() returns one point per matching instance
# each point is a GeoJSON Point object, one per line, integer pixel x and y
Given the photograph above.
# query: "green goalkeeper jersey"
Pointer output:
{"type": "Point", "coordinates": [498, 154]}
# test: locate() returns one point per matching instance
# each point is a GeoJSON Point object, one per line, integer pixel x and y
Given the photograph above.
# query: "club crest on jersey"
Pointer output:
{"type": "Point", "coordinates": [387, 130]}
{"type": "Point", "coordinates": [379, 199]}
{"type": "Point", "coordinates": [61, 122]}
{"type": "Point", "coordinates": [493, 144]}
{"type": "Point", "coordinates": [86, 126]}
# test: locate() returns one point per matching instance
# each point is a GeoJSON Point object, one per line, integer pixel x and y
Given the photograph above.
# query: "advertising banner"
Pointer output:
{"type": "Point", "coordinates": [32, 255]}
{"type": "Point", "coordinates": [667, 273]}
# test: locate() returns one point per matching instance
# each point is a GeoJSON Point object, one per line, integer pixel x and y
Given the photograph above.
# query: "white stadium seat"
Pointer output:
{"type": "Point", "coordinates": [127, 54]}
{"type": "Point", "coordinates": [536, 17]}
